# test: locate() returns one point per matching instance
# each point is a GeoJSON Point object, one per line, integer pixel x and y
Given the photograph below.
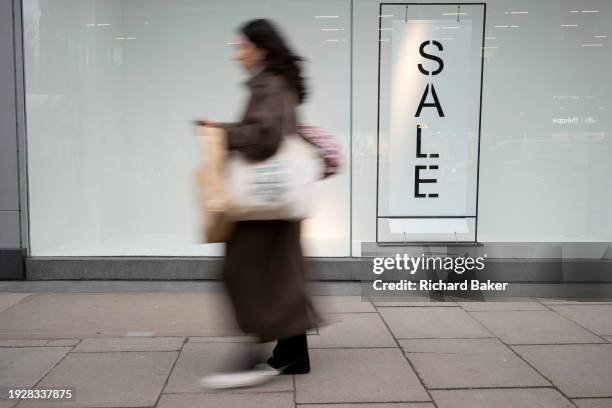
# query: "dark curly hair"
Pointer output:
{"type": "Point", "coordinates": [279, 58]}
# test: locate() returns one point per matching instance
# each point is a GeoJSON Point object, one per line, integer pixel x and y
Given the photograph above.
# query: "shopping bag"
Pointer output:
{"type": "Point", "coordinates": [280, 187]}
{"type": "Point", "coordinates": [212, 197]}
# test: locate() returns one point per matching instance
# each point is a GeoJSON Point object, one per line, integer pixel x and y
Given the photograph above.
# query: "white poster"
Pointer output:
{"type": "Point", "coordinates": [432, 152]}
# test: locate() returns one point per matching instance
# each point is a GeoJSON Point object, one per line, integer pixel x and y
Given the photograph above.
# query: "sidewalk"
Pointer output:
{"type": "Point", "coordinates": [147, 348]}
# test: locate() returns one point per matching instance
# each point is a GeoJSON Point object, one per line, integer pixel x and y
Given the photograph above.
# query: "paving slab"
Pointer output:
{"type": "Point", "coordinates": [372, 405]}
{"type": "Point", "coordinates": [222, 339]}
{"type": "Point", "coordinates": [130, 344]}
{"type": "Point", "coordinates": [116, 315]}
{"type": "Point", "coordinates": [574, 301]}
{"type": "Point", "coordinates": [9, 299]}
{"type": "Point", "coordinates": [109, 379]}
{"type": "Point", "coordinates": [353, 330]}
{"type": "Point", "coordinates": [596, 318]}
{"type": "Point", "coordinates": [501, 398]}
{"type": "Point", "coordinates": [432, 322]}
{"type": "Point", "coordinates": [593, 403]}
{"type": "Point", "coordinates": [22, 343]}
{"type": "Point", "coordinates": [469, 363]}
{"type": "Point", "coordinates": [200, 359]}
{"type": "Point", "coordinates": [579, 370]}
{"type": "Point", "coordinates": [408, 301]}
{"type": "Point", "coordinates": [252, 400]}
{"type": "Point", "coordinates": [413, 304]}
{"type": "Point", "coordinates": [343, 304]}
{"type": "Point", "coordinates": [63, 343]}
{"type": "Point", "coordinates": [358, 375]}
{"type": "Point", "coordinates": [494, 299]}
{"type": "Point", "coordinates": [534, 327]}
{"type": "Point", "coordinates": [23, 367]}
{"type": "Point", "coordinates": [495, 306]}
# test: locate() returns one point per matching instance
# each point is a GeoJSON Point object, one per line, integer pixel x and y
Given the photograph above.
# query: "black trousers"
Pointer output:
{"type": "Point", "coordinates": [291, 354]}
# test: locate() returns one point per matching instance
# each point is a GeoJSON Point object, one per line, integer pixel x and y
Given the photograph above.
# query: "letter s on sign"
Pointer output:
{"type": "Point", "coordinates": [431, 57]}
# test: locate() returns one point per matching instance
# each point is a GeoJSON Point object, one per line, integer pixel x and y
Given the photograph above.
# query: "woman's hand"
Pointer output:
{"type": "Point", "coordinates": [208, 122]}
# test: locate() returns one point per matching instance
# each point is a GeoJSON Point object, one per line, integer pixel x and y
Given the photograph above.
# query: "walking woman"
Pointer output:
{"type": "Point", "coordinates": [264, 269]}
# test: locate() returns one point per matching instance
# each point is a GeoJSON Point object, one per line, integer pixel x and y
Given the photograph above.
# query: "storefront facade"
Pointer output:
{"type": "Point", "coordinates": [514, 128]}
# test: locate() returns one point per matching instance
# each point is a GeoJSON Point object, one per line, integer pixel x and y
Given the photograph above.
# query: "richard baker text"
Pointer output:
{"type": "Point", "coordinates": [427, 284]}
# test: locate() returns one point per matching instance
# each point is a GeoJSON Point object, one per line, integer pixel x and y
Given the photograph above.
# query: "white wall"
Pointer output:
{"type": "Point", "coordinates": [10, 231]}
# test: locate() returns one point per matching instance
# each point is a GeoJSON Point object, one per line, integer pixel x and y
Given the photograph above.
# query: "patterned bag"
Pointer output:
{"type": "Point", "coordinates": [326, 145]}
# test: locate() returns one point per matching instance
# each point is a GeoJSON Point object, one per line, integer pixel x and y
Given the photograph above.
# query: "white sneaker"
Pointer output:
{"type": "Point", "coordinates": [260, 374]}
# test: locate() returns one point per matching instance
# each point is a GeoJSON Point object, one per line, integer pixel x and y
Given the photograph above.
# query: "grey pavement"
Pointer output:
{"type": "Point", "coordinates": [146, 345]}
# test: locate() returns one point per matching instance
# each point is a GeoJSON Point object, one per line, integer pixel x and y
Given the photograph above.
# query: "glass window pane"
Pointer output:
{"type": "Point", "coordinates": [111, 89]}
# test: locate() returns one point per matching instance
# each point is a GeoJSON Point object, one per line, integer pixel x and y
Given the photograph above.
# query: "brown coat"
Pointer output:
{"type": "Point", "coordinates": [264, 270]}
{"type": "Point", "coordinates": [270, 113]}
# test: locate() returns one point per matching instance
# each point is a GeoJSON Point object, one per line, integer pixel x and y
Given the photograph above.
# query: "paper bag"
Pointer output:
{"type": "Point", "coordinates": [213, 200]}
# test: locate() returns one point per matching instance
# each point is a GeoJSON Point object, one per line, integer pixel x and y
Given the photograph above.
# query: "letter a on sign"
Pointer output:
{"type": "Point", "coordinates": [436, 102]}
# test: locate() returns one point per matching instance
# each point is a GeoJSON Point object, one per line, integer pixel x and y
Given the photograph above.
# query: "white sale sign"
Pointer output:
{"type": "Point", "coordinates": [431, 159]}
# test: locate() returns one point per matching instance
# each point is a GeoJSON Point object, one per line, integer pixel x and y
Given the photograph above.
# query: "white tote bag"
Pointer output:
{"type": "Point", "coordinates": [279, 187]}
